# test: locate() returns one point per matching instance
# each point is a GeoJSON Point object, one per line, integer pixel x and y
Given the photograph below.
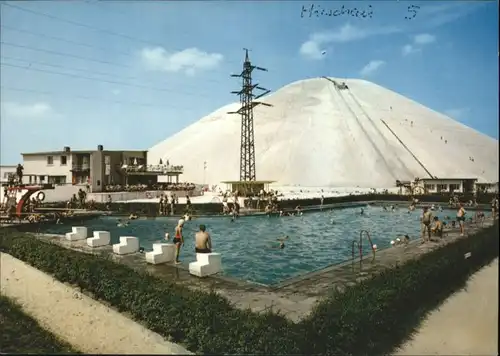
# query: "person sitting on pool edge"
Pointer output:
{"type": "Point", "coordinates": [437, 228]}
{"type": "Point", "coordinates": [203, 242]}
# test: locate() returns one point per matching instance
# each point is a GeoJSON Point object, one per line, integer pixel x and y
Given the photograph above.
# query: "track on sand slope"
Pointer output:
{"type": "Point", "coordinates": [383, 139]}
{"type": "Point", "coordinates": [368, 137]}
{"type": "Point", "coordinates": [403, 144]}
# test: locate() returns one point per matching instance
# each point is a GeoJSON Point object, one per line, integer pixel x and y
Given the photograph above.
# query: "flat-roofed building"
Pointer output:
{"type": "Point", "coordinates": [95, 168]}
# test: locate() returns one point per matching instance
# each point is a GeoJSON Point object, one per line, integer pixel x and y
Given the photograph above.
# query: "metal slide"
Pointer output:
{"type": "Point", "coordinates": [402, 143]}
{"type": "Point", "coordinates": [363, 129]}
{"type": "Point", "coordinates": [376, 129]}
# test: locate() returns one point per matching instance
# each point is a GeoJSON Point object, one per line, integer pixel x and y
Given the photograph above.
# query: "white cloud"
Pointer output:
{"type": "Point", "coordinates": [418, 42]}
{"type": "Point", "coordinates": [424, 38]}
{"type": "Point", "coordinates": [456, 113]}
{"type": "Point", "coordinates": [313, 47]}
{"type": "Point", "coordinates": [26, 111]}
{"type": "Point", "coordinates": [188, 61]}
{"type": "Point", "coordinates": [408, 49]}
{"type": "Point", "coordinates": [371, 67]}
{"type": "Point", "coordinates": [116, 91]}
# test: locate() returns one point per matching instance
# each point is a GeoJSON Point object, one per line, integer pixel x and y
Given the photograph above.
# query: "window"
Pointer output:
{"type": "Point", "coordinates": [50, 160]}
{"type": "Point", "coordinates": [430, 186]}
{"type": "Point", "coordinates": [454, 187]}
{"type": "Point", "coordinates": [41, 178]}
{"type": "Point", "coordinates": [57, 179]}
{"type": "Point", "coordinates": [64, 160]}
{"type": "Point", "coordinates": [442, 187]}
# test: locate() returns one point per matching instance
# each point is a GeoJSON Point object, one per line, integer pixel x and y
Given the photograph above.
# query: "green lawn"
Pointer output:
{"type": "Point", "coordinates": [19, 333]}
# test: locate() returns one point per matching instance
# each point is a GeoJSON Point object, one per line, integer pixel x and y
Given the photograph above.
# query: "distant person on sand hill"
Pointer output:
{"type": "Point", "coordinates": [203, 242]}
{"type": "Point", "coordinates": [426, 224]}
{"type": "Point", "coordinates": [178, 240]}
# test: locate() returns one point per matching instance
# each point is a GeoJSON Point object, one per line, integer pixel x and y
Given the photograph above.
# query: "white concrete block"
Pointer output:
{"type": "Point", "coordinates": [77, 233]}
{"type": "Point", "coordinates": [101, 238]}
{"type": "Point", "coordinates": [162, 253]}
{"type": "Point", "coordinates": [128, 244]}
{"type": "Point", "coordinates": [206, 264]}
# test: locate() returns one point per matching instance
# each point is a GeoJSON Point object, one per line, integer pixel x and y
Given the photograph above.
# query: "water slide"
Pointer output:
{"type": "Point", "coordinates": [383, 139]}
{"type": "Point", "coordinates": [402, 143]}
{"type": "Point", "coordinates": [368, 137]}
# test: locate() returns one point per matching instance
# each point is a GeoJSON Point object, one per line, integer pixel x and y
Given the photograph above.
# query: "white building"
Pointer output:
{"type": "Point", "coordinates": [5, 171]}
{"type": "Point", "coordinates": [96, 168]}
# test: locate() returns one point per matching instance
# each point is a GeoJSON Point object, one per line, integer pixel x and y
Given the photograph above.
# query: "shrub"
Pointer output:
{"type": "Point", "coordinates": [203, 322]}
{"type": "Point", "coordinates": [371, 317]}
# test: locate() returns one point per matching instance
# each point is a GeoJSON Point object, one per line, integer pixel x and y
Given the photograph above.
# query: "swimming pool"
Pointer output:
{"type": "Point", "coordinates": [248, 245]}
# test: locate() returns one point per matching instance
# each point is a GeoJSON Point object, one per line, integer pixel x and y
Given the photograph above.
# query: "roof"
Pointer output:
{"type": "Point", "coordinates": [48, 153]}
{"type": "Point", "coordinates": [250, 182]}
{"type": "Point", "coordinates": [436, 179]}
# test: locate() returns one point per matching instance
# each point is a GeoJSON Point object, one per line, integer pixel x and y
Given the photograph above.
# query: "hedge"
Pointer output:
{"type": "Point", "coordinates": [371, 317]}
{"type": "Point", "coordinates": [21, 334]}
{"type": "Point", "coordinates": [151, 209]}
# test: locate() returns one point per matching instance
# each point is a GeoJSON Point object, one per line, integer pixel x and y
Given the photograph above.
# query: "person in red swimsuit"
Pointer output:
{"type": "Point", "coordinates": [178, 240]}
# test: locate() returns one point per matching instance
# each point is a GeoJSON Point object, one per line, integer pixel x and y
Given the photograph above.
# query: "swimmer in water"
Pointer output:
{"type": "Point", "coordinates": [121, 223]}
{"type": "Point", "coordinates": [282, 242]}
{"type": "Point", "coordinates": [392, 208]}
{"type": "Point", "coordinates": [362, 211]}
{"type": "Point", "coordinates": [133, 216]}
{"type": "Point", "coordinates": [384, 208]}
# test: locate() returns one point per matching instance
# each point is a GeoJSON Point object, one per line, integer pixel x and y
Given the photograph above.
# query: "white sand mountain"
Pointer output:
{"type": "Point", "coordinates": [317, 135]}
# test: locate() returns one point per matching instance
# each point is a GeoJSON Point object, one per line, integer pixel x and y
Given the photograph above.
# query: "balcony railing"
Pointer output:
{"type": "Point", "coordinates": [80, 167]}
{"type": "Point", "coordinates": [163, 168]}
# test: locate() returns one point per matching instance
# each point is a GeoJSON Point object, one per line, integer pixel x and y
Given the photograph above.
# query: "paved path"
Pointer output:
{"type": "Point", "coordinates": [466, 324]}
{"type": "Point", "coordinates": [88, 325]}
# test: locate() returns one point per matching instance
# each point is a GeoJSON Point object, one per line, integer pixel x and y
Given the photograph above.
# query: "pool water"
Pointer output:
{"type": "Point", "coordinates": [249, 247]}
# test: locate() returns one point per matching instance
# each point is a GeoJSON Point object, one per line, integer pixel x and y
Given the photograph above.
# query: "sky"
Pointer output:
{"type": "Point", "coordinates": [128, 75]}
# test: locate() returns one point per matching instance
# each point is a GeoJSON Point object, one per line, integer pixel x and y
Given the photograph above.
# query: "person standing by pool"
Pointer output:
{"type": "Point", "coordinates": [178, 240]}
{"type": "Point", "coordinates": [461, 218]}
{"type": "Point", "coordinates": [322, 201]}
{"type": "Point", "coordinates": [203, 242]}
{"type": "Point", "coordinates": [426, 224]}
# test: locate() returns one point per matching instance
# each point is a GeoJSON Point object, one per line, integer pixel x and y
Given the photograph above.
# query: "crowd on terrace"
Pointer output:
{"type": "Point", "coordinates": [146, 187]}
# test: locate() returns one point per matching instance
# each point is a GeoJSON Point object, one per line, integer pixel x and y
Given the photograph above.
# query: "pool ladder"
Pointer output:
{"type": "Point", "coordinates": [359, 245]}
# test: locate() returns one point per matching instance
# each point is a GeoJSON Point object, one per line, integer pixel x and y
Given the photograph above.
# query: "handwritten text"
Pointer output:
{"type": "Point", "coordinates": [317, 11]}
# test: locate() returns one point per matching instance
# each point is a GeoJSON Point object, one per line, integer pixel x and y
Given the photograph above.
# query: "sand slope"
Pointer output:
{"type": "Point", "coordinates": [317, 136]}
{"type": "Point", "coordinates": [88, 325]}
{"type": "Point", "coordinates": [466, 324]}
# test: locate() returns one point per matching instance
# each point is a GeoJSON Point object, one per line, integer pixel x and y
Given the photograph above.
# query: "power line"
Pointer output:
{"type": "Point", "coordinates": [69, 55]}
{"type": "Point", "coordinates": [85, 97]}
{"type": "Point", "coordinates": [100, 80]}
{"type": "Point", "coordinates": [10, 28]}
{"type": "Point", "coordinates": [81, 24]}
{"type": "Point", "coordinates": [70, 68]}
{"type": "Point", "coordinates": [64, 54]}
